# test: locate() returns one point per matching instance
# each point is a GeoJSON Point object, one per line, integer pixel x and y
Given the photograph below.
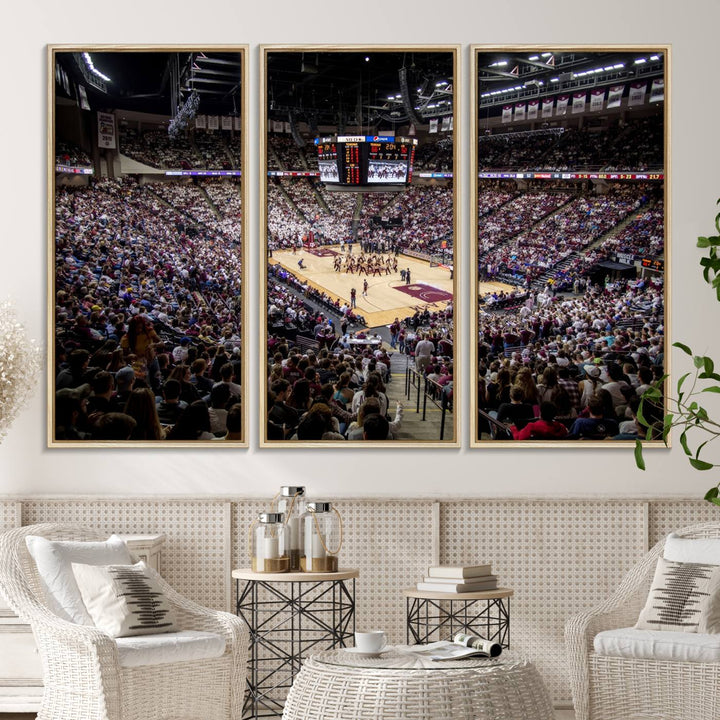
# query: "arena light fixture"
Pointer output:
{"type": "Point", "coordinates": [91, 67]}
{"type": "Point", "coordinates": [534, 57]}
{"type": "Point", "coordinates": [654, 57]}
{"type": "Point", "coordinates": [499, 63]}
{"type": "Point", "coordinates": [640, 61]}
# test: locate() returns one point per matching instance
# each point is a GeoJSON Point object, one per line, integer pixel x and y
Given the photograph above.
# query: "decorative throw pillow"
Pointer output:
{"type": "Point", "coordinates": [53, 559]}
{"type": "Point", "coordinates": [692, 550]}
{"type": "Point", "coordinates": [124, 600]}
{"type": "Point", "coordinates": [684, 597]}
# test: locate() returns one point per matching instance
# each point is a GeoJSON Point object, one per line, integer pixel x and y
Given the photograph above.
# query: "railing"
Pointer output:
{"type": "Point", "coordinates": [416, 382]}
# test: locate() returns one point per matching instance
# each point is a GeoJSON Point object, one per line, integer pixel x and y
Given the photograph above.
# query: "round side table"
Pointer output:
{"type": "Point", "coordinates": [290, 615]}
{"type": "Point", "coordinates": [340, 685]}
{"type": "Point", "coordinates": [484, 613]}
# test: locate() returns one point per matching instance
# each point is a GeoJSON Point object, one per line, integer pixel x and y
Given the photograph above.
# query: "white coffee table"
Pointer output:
{"type": "Point", "coordinates": [341, 685]}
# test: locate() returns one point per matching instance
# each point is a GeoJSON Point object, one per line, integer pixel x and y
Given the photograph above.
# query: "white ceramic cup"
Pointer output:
{"type": "Point", "coordinates": [372, 641]}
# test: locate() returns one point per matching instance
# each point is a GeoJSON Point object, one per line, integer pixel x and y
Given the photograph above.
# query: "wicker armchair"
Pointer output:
{"type": "Point", "coordinates": [614, 688]}
{"type": "Point", "coordinates": [82, 674]}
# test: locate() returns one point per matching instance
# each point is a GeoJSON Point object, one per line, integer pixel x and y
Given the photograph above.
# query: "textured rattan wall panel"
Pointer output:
{"type": "Point", "coordinates": [193, 558]}
{"type": "Point", "coordinates": [8, 515]}
{"type": "Point", "coordinates": [559, 557]}
{"type": "Point", "coordinates": [668, 515]}
{"type": "Point", "coordinates": [389, 542]}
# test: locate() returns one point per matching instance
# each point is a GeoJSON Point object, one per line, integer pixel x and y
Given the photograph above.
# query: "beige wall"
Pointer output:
{"type": "Point", "coordinates": [25, 466]}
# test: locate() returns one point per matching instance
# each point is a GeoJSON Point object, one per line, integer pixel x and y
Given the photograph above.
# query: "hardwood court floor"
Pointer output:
{"type": "Point", "coordinates": [383, 303]}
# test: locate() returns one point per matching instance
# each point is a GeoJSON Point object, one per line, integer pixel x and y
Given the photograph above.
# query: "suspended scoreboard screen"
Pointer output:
{"type": "Point", "coordinates": [360, 160]}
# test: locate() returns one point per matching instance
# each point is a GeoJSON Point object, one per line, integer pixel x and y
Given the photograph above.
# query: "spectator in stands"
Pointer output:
{"type": "Point", "coordinates": [171, 406]}
{"type": "Point", "coordinates": [233, 423]}
{"type": "Point", "coordinates": [546, 428]}
{"type": "Point", "coordinates": [597, 426]}
{"type": "Point", "coordinates": [142, 408]}
{"type": "Point", "coordinates": [516, 412]}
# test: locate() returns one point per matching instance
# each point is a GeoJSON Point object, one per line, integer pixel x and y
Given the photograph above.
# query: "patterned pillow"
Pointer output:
{"type": "Point", "coordinates": [124, 600]}
{"type": "Point", "coordinates": [684, 597]}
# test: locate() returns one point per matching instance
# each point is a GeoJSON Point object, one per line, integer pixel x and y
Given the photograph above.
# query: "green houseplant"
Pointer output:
{"type": "Point", "coordinates": [684, 410]}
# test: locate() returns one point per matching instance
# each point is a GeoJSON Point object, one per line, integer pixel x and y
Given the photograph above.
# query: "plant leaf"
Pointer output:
{"type": "Point", "coordinates": [683, 347]}
{"type": "Point", "coordinates": [708, 364]}
{"type": "Point", "coordinates": [712, 493]}
{"type": "Point", "coordinates": [698, 361]}
{"type": "Point", "coordinates": [712, 389]}
{"type": "Point", "coordinates": [684, 444]}
{"type": "Point", "coordinates": [701, 464]}
{"type": "Point", "coordinates": [639, 460]}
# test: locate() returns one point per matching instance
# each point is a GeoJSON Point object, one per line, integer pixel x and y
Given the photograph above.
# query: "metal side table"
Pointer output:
{"type": "Point", "coordinates": [439, 615]}
{"type": "Point", "coordinates": [289, 616]}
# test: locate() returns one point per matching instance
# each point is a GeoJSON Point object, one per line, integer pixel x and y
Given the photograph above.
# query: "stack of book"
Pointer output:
{"type": "Point", "coordinates": [458, 579]}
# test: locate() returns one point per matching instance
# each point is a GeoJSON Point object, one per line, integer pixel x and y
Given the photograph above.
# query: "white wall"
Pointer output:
{"type": "Point", "coordinates": [27, 467]}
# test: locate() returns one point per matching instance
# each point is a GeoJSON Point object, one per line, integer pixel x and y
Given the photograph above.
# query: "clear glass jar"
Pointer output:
{"type": "Point", "coordinates": [269, 549]}
{"type": "Point", "coordinates": [291, 503]}
{"type": "Point", "coordinates": [322, 538]}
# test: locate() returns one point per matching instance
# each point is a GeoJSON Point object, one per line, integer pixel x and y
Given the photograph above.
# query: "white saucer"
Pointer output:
{"type": "Point", "coordinates": [360, 653]}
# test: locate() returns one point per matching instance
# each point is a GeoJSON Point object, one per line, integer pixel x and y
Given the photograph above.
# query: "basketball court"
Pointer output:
{"type": "Point", "coordinates": [388, 296]}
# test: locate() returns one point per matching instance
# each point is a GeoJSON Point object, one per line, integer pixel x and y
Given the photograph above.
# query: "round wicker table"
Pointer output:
{"type": "Point", "coordinates": [342, 685]}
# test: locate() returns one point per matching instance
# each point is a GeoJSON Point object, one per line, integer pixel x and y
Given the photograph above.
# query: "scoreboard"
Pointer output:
{"type": "Point", "coordinates": [360, 160]}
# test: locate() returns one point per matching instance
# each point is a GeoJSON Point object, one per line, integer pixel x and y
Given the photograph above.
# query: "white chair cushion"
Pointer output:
{"type": "Point", "coordinates": [692, 550]}
{"type": "Point", "coordinates": [54, 559]}
{"type": "Point", "coordinates": [169, 648]}
{"type": "Point", "coordinates": [658, 645]}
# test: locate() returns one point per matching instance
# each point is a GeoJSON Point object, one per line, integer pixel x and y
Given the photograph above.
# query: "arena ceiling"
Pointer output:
{"type": "Point", "coordinates": [356, 88]}
{"type": "Point", "coordinates": [155, 82]}
{"type": "Point", "coordinates": [510, 76]}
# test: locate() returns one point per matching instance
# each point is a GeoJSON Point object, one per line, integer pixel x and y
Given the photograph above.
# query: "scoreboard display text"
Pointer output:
{"type": "Point", "coordinates": [366, 159]}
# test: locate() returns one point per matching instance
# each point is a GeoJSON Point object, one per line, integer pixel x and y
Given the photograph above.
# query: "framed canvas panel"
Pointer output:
{"type": "Point", "coordinates": [570, 218]}
{"type": "Point", "coordinates": [146, 255]}
{"type": "Point", "coordinates": [359, 213]}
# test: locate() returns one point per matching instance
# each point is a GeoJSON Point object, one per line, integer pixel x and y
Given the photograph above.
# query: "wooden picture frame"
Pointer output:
{"type": "Point", "coordinates": [569, 183]}
{"type": "Point", "coordinates": [362, 111]}
{"type": "Point", "coordinates": [147, 262]}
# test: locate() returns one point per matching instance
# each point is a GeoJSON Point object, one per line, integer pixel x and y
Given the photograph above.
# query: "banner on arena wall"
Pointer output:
{"type": "Point", "coordinates": [637, 93]}
{"type": "Point", "coordinates": [84, 104]}
{"type": "Point", "coordinates": [411, 130]}
{"type": "Point", "coordinates": [615, 96]}
{"type": "Point", "coordinates": [596, 100]}
{"type": "Point", "coordinates": [445, 124]}
{"type": "Point", "coordinates": [237, 122]}
{"type": "Point", "coordinates": [200, 122]}
{"type": "Point", "coordinates": [106, 130]}
{"type": "Point", "coordinates": [433, 127]}
{"type": "Point", "coordinates": [277, 126]}
{"type": "Point", "coordinates": [532, 109]}
{"type": "Point", "coordinates": [657, 90]}
{"type": "Point", "coordinates": [507, 113]}
{"type": "Point", "coordinates": [451, 123]}
{"type": "Point", "coordinates": [213, 122]}
{"type": "Point", "coordinates": [287, 127]}
{"type": "Point", "coordinates": [578, 104]}
{"type": "Point", "coordinates": [520, 111]}
{"type": "Point", "coordinates": [547, 108]}
{"type": "Point", "coordinates": [561, 104]}
{"type": "Point", "coordinates": [226, 122]}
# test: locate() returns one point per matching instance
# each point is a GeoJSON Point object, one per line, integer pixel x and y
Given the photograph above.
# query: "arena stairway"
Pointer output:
{"type": "Point", "coordinates": [413, 426]}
